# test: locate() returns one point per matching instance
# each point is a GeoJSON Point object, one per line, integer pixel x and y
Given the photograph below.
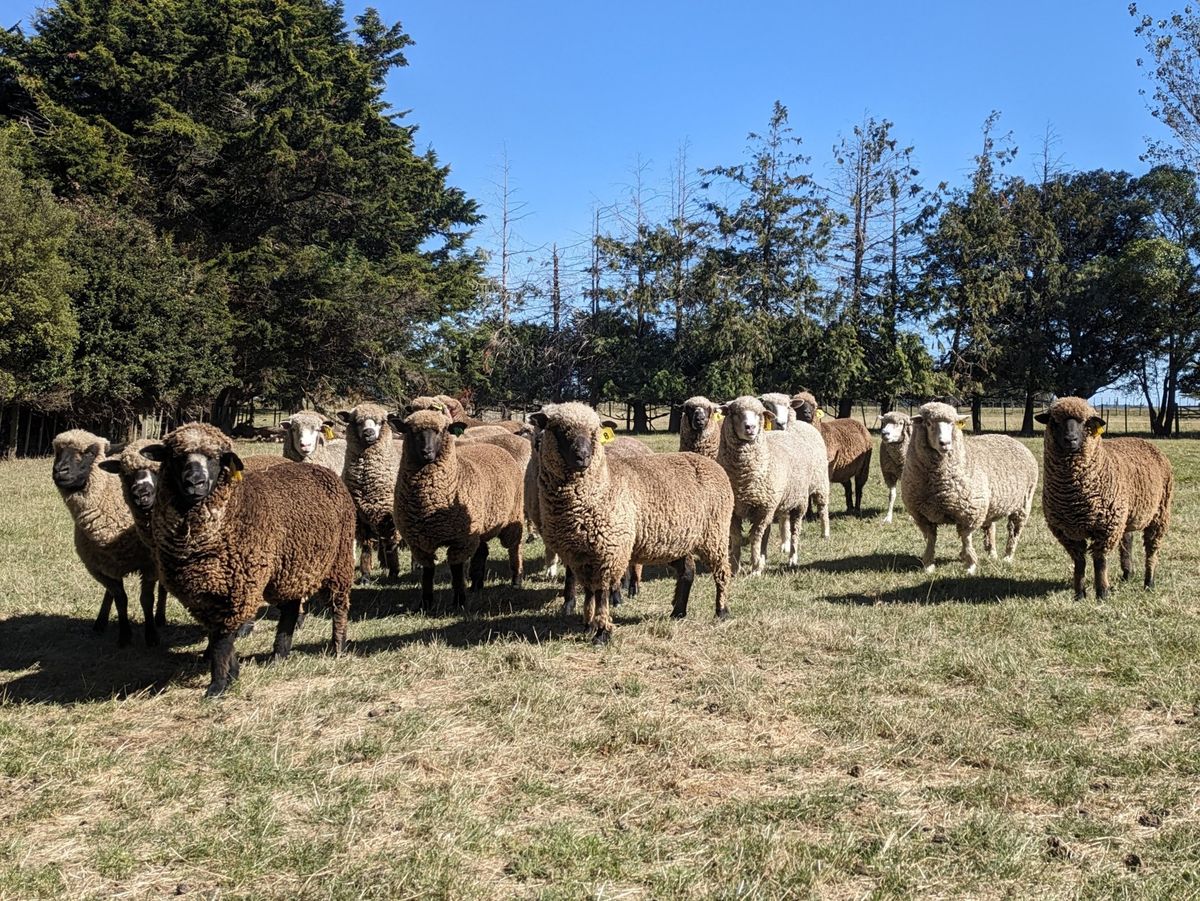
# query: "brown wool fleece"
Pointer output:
{"type": "Point", "coordinates": [705, 443]}
{"type": "Point", "coordinates": [1112, 486]}
{"type": "Point", "coordinates": [106, 537]}
{"type": "Point", "coordinates": [651, 509]}
{"type": "Point", "coordinates": [470, 493]}
{"type": "Point", "coordinates": [279, 534]}
{"type": "Point", "coordinates": [370, 472]}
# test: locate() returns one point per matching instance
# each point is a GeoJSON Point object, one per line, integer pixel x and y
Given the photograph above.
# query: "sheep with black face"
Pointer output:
{"type": "Point", "coordinates": [229, 541]}
{"type": "Point", "coordinates": [1098, 491]}
{"type": "Point", "coordinates": [106, 537]}
{"type": "Point", "coordinates": [848, 447]}
{"type": "Point", "coordinates": [700, 427]}
{"type": "Point", "coordinates": [603, 512]}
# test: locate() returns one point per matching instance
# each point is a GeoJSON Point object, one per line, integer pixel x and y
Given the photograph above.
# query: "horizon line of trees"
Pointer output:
{"type": "Point", "coordinates": [206, 204]}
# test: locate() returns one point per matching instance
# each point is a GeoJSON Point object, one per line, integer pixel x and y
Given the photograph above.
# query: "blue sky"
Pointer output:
{"type": "Point", "coordinates": [575, 93]}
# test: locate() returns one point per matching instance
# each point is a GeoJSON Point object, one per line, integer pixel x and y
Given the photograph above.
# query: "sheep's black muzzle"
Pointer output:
{"type": "Point", "coordinates": [805, 413]}
{"type": "Point", "coordinates": [426, 445]}
{"type": "Point", "coordinates": [143, 491]}
{"type": "Point", "coordinates": [72, 474]}
{"type": "Point", "coordinates": [576, 452]}
{"type": "Point", "coordinates": [195, 482]}
{"type": "Point", "coordinates": [1070, 437]}
{"type": "Point", "coordinates": [697, 418]}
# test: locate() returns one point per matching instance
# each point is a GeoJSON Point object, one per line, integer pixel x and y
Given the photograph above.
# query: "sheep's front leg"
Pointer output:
{"type": "Point", "coordinates": [760, 522]}
{"type": "Point", "coordinates": [966, 534]}
{"type": "Point", "coordinates": [160, 613]}
{"type": "Point", "coordinates": [426, 563]}
{"type": "Point", "coordinates": [1100, 569]}
{"type": "Point", "coordinates": [685, 575]}
{"type": "Point", "coordinates": [795, 518]}
{"type": "Point", "coordinates": [222, 660]}
{"type": "Point", "coordinates": [602, 622]}
{"type": "Point", "coordinates": [891, 504]}
{"type": "Point", "coordinates": [569, 593]}
{"type": "Point", "coordinates": [929, 530]}
{"type": "Point", "coordinates": [989, 539]}
{"type": "Point", "coordinates": [735, 545]}
{"type": "Point", "coordinates": [458, 584]}
{"type": "Point", "coordinates": [116, 588]}
{"type": "Point", "coordinates": [146, 598]}
{"type": "Point", "coordinates": [289, 612]}
{"type": "Point", "coordinates": [101, 622]}
{"type": "Point", "coordinates": [1127, 555]}
{"type": "Point", "coordinates": [787, 535]}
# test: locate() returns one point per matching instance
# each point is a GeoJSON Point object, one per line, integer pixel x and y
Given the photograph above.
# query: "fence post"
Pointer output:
{"type": "Point", "coordinates": [1004, 410]}
{"type": "Point", "coordinates": [1127, 417]}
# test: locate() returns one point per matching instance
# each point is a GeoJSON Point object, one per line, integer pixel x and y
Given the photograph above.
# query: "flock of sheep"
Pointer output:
{"type": "Point", "coordinates": [228, 537]}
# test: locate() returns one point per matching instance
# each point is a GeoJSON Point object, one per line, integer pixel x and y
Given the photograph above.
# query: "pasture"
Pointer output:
{"type": "Point", "coordinates": [855, 729]}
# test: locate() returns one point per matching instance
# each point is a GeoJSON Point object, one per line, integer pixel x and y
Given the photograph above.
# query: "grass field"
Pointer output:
{"type": "Point", "coordinates": [855, 729]}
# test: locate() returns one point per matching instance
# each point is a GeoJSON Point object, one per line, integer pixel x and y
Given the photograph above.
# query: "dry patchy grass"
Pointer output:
{"type": "Point", "coordinates": [856, 729]}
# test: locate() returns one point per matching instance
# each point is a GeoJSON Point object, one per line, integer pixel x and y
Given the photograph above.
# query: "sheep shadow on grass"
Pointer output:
{"type": "Point", "coordinates": [51, 658]}
{"type": "Point", "coordinates": [955, 590]}
{"type": "Point", "coordinates": [881, 563]}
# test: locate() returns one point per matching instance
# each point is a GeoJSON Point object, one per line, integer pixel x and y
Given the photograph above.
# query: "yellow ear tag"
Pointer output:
{"type": "Point", "coordinates": [607, 435]}
{"type": "Point", "coordinates": [439, 407]}
{"type": "Point", "coordinates": [958, 425]}
{"type": "Point", "coordinates": [1097, 431]}
{"type": "Point", "coordinates": [769, 425]}
{"type": "Point", "coordinates": [327, 432]}
{"type": "Point", "coordinates": [718, 416]}
{"type": "Point", "coordinates": [237, 475]}
{"type": "Point", "coordinates": [820, 414]}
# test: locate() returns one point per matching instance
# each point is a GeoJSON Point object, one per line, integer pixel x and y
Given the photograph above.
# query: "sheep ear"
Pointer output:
{"type": "Point", "coordinates": [113, 466]}
{"type": "Point", "coordinates": [232, 462]}
{"type": "Point", "coordinates": [156, 452]}
{"type": "Point", "coordinates": [769, 414]}
{"type": "Point", "coordinates": [609, 424]}
{"type": "Point", "coordinates": [396, 421]}
{"type": "Point", "coordinates": [962, 420]}
{"type": "Point", "coordinates": [456, 428]}
{"type": "Point", "coordinates": [918, 419]}
{"type": "Point", "coordinates": [1095, 425]}
{"type": "Point", "coordinates": [539, 419]}
{"type": "Point", "coordinates": [1043, 418]}
{"type": "Point", "coordinates": [344, 416]}
{"type": "Point", "coordinates": [285, 424]}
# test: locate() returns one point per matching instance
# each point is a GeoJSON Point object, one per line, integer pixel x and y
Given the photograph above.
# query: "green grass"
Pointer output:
{"type": "Point", "coordinates": [856, 729]}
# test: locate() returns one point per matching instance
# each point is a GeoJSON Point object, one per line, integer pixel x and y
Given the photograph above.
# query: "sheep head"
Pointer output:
{"type": "Point", "coordinates": [1072, 425]}
{"type": "Point", "coordinates": [139, 474]}
{"type": "Point", "coordinates": [698, 411]}
{"type": "Point", "coordinates": [427, 435]}
{"type": "Point", "coordinates": [745, 419]}
{"type": "Point", "coordinates": [781, 406]}
{"type": "Point", "coordinates": [806, 407]}
{"type": "Point", "coordinates": [75, 452]}
{"type": "Point", "coordinates": [571, 439]}
{"type": "Point", "coordinates": [365, 423]}
{"type": "Point", "coordinates": [939, 424]}
{"type": "Point", "coordinates": [196, 459]}
{"type": "Point", "coordinates": [895, 428]}
{"type": "Point", "coordinates": [306, 431]}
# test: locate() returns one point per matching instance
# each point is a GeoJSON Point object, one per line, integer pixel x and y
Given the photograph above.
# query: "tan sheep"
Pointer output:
{"type": "Point", "coordinates": [106, 537]}
{"type": "Point", "coordinates": [458, 497]}
{"type": "Point", "coordinates": [700, 427]}
{"type": "Point", "coordinates": [308, 438]}
{"type": "Point", "coordinates": [602, 512]}
{"type": "Point", "coordinates": [1097, 492]}
{"type": "Point", "coordinates": [895, 431]}
{"type": "Point", "coordinates": [372, 461]}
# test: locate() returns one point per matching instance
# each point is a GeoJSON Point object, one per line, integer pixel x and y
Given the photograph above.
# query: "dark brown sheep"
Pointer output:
{"type": "Point", "coordinates": [847, 443]}
{"type": "Point", "coordinates": [229, 543]}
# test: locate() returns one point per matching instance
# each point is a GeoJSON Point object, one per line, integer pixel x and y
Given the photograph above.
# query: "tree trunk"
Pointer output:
{"type": "Point", "coordinates": [676, 419]}
{"type": "Point", "coordinates": [1027, 419]}
{"type": "Point", "coordinates": [845, 407]}
{"type": "Point", "coordinates": [977, 413]}
{"type": "Point", "coordinates": [224, 408]}
{"type": "Point", "coordinates": [641, 424]}
{"type": "Point", "coordinates": [886, 405]}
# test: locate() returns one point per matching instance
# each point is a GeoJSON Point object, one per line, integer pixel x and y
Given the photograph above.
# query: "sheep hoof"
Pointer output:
{"type": "Point", "coordinates": [1102, 594]}
{"type": "Point", "coordinates": [568, 608]}
{"type": "Point", "coordinates": [214, 691]}
{"type": "Point", "coordinates": [723, 614]}
{"type": "Point", "coordinates": [245, 629]}
{"type": "Point", "coordinates": [972, 569]}
{"type": "Point", "coordinates": [1080, 595]}
{"type": "Point", "coordinates": [1149, 583]}
{"type": "Point", "coordinates": [929, 567]}
{"type": "Point", "coordinates": [678, 613]}
{"type": "Point", "coordinates": [887, 519]}
{"type": "Point", "coordinates": [601, 637]}
{"type": "Point", "coordinates": [1008, 558]}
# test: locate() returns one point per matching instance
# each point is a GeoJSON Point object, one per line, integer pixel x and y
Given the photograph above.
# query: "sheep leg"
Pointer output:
{"type": "Point", "coordinates": [735, 545]}
{"type": "Point", "coordinates": [891, 503]}
{"type": "Point", "coordinates": [929, 530]}
{"type": "Point", "coordinates": [787, 534]}
{"type": "Point", "coordinates": [160, 614]}
{"type": "Point", "coordinates": [477, 571]}
{"type": "Point", "coordinates": [967, 535]}
{"type": "Point", "coordinates": [339, 596]}
{"type": "Point", "coordinates": [366, 558]}
{"type": "Point", "coordinates": [849, 496]}
{"type": "Point", "coordinates": [146, 597]}
{"type": "Point", "coordinates": [458, 584]}
{"type": "Point", "coordinates": [1100, 569]}
{"type": "Point", "coordinates": [222, 660]}
{"type": "Point", "coordinates": [794, 520]}
{"type": "Point", "coordinates": [589, 606]}
{"type": "Point", "coordinates": [510, 539]}
{"type": "Point", "coordinates": [390, 554]}
{"type": "Point", "coordinates": [823, 503]}
{"type": "Point", "coordinates": [989, 539]}
{"type": "Point", "coordinates": [685, 575]}
{"type": "Point", "coordinates": [121, 600]}
{"type": "Point", "coordinates": [759, 524]}
{"type": "Point", "coordinates": [602, 622]}
{"type": "Point", "coordinates": [1078, 553]}
{"type": "Point", "coordinates": [289, 612]}
{"type": "Point", "coordinates": [569, 593]}
{"type": "Point", "coordinates": [860, 482]}
{"type": "Point", "coordinates": [427, 587]}
{"type": "Point", "coordinates": [101, 622]}
{"type": "Point", "coordinates": [1152, 537]}
{"type": "Point", "coordinates": [1127, 555]}
{"type": "Point", "coordinates": [635, 579]}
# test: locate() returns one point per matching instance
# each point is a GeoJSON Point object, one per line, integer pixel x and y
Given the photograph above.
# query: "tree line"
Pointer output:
{"type": "Point", "coordinates": [204, 204]}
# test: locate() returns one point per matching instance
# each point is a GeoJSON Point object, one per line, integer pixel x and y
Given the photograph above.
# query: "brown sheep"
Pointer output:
{"type": "Point", "coordinates": [700, 427]}
{"type": "Point", "coordinates": [229, 543]}
{"type": "Point", "coordinates": [847, 443]}
{"type": "Point", "coordinates": [458, 497]}
{"type": "Point", "coordinates": [1097, 492]}
{"type": "Point", "coordinates": [372, 461]}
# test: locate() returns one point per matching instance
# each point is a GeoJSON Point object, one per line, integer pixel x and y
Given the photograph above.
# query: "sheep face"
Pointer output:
{"type": "Point", "coordinates": [747, 417]}
{"type": "Point", "coordinates": [426, 433]}
{"type": "Point", "coordinates": [141, 480]}
{"type": "Point", "coordinates": [895, 427]}
{"type": "Point", "coordinates": [366, 421]}
{"type": "Point", "coordinates": [805, 406]}
{"type": "Point", "coordinates": [939, 423]}
{"type": "Point", "coordinates": [777, 405]}
{"type": "Point", "coordinates": [73, 465]}
{"type": "Point", "coordinates": [571, 433]}
{"type": "Point", "coordinates": [697, 415]}
{"type": "Point", "coordinates": [306, 433]}
{"type": "Point", "coordinates": [195, 459]}
{"type": "Point", "coordinates": [1071, 425]}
